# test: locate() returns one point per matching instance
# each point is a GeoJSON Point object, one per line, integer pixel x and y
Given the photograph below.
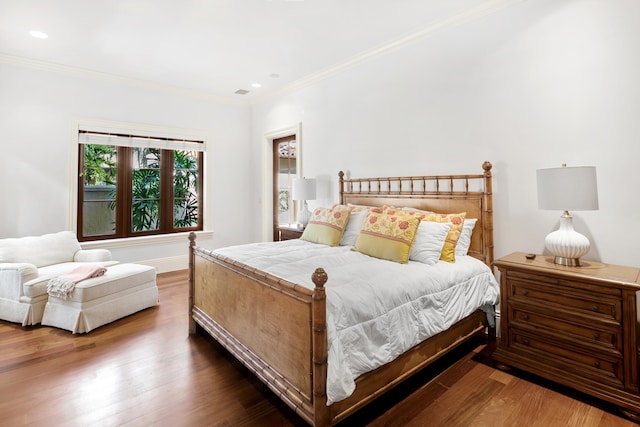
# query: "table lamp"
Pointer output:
{"type": "Point", "coordinates": [304, 189]}
{"type": "Point", "coordinates": [567, 188]}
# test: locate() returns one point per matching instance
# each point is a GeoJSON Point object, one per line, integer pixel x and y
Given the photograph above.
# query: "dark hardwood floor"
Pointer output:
{"type": "Point", "coordinates": [145, 370]}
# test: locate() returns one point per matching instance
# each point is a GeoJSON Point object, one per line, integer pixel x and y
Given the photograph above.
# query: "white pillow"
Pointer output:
{"type": "Point", "coordinates": [352, 230]}
{"type": "Point", "coordinates": [464, 241]}
{"type": "Point", "coordinates": [429, 241]}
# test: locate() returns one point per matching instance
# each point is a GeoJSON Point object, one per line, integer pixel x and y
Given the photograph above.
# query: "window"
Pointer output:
{"type": "Point", "coordinates": [136, 185]}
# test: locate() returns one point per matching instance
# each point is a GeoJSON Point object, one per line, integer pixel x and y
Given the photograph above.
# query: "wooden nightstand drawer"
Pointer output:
{"type": "Point", "coordinates": [590, 335]}
{"type": "Point", "coordinates": [565, 299]}
{"type": "Point", "coordinates": [563, 356]}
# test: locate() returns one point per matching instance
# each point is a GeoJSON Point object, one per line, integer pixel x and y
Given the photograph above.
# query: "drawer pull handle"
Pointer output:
{"type": "Point", "coordinates": [597, 364]}
{"type": "Point", "coordinates": [595, 308]}
{"type": "Point", "coordinates": [525, 342]}
{"type": "Point", "coordinates": [596, 336]}
{"type": "Point", "coordinates": [525, 317]}
{"type": "Point", "coordinates": [525, 293]}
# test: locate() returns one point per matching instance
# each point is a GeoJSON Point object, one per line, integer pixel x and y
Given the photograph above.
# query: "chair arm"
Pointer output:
{"type": "Point", "coordinates": [19, 272]}
{"type": "Point", "coordinates": [92, 255]}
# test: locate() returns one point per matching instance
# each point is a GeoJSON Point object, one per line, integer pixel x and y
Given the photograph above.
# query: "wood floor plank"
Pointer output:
{"type": "Point", "coordinates": [145, 370]}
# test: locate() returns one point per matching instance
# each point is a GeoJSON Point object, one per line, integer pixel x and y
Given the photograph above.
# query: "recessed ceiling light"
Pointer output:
{"type": "Point", "coordinates": [256, 85]}
{"type": "Point", "coordinates": [38, 34]}
{"type": "Point", "coordinates": [242, 91]}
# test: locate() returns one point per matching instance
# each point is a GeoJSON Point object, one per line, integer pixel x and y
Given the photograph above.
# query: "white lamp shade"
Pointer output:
{"type": "Point", "coordinates": [568, 188]}
{"type": "Point", "coordinates": [304, 189]}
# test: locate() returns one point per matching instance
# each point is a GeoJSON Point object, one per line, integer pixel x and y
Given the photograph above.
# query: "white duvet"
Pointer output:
{"type": "Point", "coordinates": [376, 309]}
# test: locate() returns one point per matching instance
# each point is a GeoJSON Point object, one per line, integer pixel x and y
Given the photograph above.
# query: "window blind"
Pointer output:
{"type": "Point", "coordinates": [125, 140]}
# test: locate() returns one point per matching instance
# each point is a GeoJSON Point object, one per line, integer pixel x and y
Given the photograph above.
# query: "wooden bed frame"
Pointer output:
{"type": "Point", "coordinates": [277, 329]}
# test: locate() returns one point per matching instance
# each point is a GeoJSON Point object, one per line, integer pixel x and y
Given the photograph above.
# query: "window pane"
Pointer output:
{"type": "Point", "coordinates": [158, 195]}
{"type": "Point", "coordinates": [286, 174]}
{"type": "Point", "coordinates": [99, 197]}
{"type": "Point", "coordinates": [145, 189]}
{"type": "Point", "coordinates": [185, 189]}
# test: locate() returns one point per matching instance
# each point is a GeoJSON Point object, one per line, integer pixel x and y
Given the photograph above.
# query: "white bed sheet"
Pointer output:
{"type": "Point", "coordinates": [369, 322]}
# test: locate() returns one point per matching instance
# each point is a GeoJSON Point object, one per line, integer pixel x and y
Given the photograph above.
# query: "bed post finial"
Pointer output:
{"type": "Point", "coordinates": [487, 166]}
{"type": "Point", "coordinates": [319, 277]}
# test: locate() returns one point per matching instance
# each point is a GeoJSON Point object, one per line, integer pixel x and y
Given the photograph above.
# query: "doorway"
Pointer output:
{"type": "Point", "coordinates": [285, 170]}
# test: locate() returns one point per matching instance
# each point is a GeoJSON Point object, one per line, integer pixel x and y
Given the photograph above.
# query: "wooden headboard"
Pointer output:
{"type": "Point", "coordinates": [439, 193]}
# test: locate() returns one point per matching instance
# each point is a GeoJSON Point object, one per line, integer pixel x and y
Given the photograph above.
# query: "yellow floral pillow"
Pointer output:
{"type": "Point", "coordinates": [388, 235]}
{"type": "Point", "coordinates": [457, 220]}
{"type": "Point", "coordinates": [327, 225]}
{"type": "Point", "coordinates": [359, 208]}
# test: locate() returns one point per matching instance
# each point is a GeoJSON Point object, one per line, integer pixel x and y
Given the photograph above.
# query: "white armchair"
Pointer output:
{"type": "Point", "coordinates": [27, 264]}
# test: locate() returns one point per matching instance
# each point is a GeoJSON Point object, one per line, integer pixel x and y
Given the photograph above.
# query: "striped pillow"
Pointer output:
{"type": "Point", "coordinates": [457, 220]}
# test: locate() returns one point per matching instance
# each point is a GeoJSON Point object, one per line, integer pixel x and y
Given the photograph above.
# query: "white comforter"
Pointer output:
{"type": "Point", "coordinates": [369, 320]}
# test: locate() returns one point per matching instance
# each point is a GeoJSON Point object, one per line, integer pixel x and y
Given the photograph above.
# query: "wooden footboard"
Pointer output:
{"type": "Point", "coordinates": [276, 328]}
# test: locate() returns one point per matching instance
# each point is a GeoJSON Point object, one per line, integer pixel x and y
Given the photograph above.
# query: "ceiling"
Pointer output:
{"type": "Point", "coordinates": [216, 47]}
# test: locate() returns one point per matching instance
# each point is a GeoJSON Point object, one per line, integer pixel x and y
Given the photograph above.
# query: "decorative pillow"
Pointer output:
{"type": "Point", "coordinates": [416, 210]}
{"type": "Point", "coordinates": [429, 241]}
{"type": "Point", "coordinates": [42, 250]}
{"type": "Point", "coordinates": [363, 208]}
{"type": "Point", "coordinates": [327, 225]}
{"type": "Point", "coordinates": [388, 235]}
{"type": "Point", "coordinates": [464, 241]}
{"type": "Point", "coordinates": [449, 249]}
{"type": "Point", "coordinates": [350, 235]}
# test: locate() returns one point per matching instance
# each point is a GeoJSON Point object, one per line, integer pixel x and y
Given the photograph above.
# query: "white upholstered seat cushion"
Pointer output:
{"type": "Point", "coordinates": [116, 279]}
{"type": "Point", "coordinates": [38, 286]}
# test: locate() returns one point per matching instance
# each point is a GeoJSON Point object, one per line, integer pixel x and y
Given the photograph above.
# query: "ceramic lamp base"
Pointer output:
{"type": "Point", "coordinates": [566, 244]}
{"type": "Point", "coordinates": [304, 215]}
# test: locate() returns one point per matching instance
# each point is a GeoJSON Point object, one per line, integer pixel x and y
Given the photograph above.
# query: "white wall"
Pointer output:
{"type": "Point", "coordinates": [38, 108]}
{"type": "Point", "coordinates": [539, 84]}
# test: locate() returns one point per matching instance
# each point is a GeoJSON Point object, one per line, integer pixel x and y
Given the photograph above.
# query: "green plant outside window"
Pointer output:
{"type": "Point", "coordinates": [146, 190]}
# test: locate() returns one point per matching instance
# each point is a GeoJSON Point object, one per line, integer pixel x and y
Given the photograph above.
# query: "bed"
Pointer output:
{"type": "Point", "coordinates": [278, 328]}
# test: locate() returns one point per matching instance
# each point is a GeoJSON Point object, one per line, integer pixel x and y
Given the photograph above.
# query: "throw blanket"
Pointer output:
{"type": "Point", "coordinates": [63, 286]}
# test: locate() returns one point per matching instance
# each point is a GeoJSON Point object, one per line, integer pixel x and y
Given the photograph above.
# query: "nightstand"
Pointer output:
{"type": "Point", "coordinates": [289, 232]}
{"type": "Point", "coordinates": [576, 326]}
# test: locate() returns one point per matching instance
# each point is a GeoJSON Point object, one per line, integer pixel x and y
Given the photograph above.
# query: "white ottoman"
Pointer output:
{"type": "Point", "coordinates": [123, 290]}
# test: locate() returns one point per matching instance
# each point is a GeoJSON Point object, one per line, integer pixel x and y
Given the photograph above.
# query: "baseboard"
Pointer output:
{"type": "Point", "coordinates": [164, 265]}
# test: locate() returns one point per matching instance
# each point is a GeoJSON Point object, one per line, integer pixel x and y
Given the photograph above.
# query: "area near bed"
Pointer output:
{"type": "Point", "coordinates": [376, 309]}
{"type": "Point", "coordinates": [329, 328]}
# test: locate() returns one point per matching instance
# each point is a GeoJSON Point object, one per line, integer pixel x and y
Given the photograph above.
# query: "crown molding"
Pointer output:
{"type": "Point", "coordinates": [113, 78]}
{"type": "Point", "coordinates": [487, 8]}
